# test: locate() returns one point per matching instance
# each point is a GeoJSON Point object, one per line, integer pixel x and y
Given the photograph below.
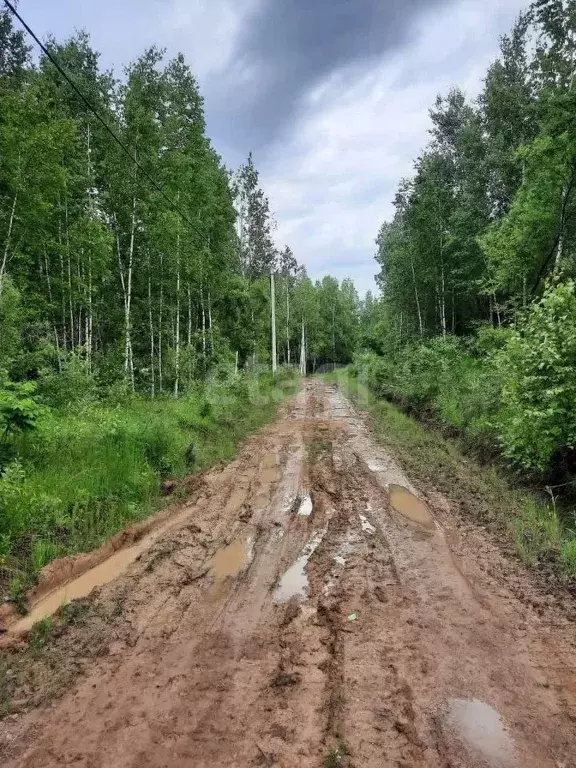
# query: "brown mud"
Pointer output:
{"type": "Point", "coordinates": [308, 607]}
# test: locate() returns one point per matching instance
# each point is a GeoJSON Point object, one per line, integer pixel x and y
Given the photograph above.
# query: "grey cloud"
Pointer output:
{"type": "Point", "coordinates": [287, 46]}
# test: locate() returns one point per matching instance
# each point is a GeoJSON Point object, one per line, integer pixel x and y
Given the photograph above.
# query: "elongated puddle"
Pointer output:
{"type": "Point", "coordinates": [101, 574]}
{"type": "Point", "coordinates": [294, 582]}
{"type": "Point", "coordinates": [408, 505]}
{"type": "Point", "coordinates": [106, 571]}
{"type": "Point", "coordinates": [481, 730]}
{"type": "Point", "coordinates": [230, 560]}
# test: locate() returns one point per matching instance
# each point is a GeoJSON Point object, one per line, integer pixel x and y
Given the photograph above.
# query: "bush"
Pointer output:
{"type": "Point", "coordinates": [537, 365]}
{"type": "Point", "coordinates": [443, 378]}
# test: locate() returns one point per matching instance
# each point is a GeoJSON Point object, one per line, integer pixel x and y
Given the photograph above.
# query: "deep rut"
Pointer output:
{"type": "Point", "coordinates": [298, 616]}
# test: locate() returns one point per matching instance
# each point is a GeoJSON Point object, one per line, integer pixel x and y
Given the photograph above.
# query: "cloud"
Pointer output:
{"type": "Point", "coordinates": [287, 47]}
{"type": "Point", "coordinates": [332, 182]}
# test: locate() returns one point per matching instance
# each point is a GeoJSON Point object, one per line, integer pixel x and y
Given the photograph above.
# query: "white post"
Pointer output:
{"type": "Point", "coordinates": [303, 352]}
{"type": "Point", "coordinates": [273, 314]}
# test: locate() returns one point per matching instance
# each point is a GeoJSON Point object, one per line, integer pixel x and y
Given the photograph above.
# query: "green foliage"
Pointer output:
{"type": "Point", "coordinates": [19, 411]}
{"type": "Point", "coordinates": [441, 378]}
{"type": "Point", "coordinates": [82, 477]}
{"type": "Point", "coordinates": [537, 367]}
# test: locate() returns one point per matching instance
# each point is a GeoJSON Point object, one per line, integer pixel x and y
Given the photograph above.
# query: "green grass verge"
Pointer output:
{"type": "Point", "coordinates": [484, 491]}
{"type": "Point", "coordinates": [81, 477]}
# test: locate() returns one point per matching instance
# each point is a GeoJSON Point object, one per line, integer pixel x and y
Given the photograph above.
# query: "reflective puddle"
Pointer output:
{"type": "Point", "coordinates": [410, 506]}
{"type": "Point", "coordinates": [480, 728]}
{"type": "Point", "coordinates": [305, 508]}
{"type": "Point", "coordinates": [101, 574]}
{"type": "Point", "coordinates": [230, 560]}
{"type": "Point", "coordinates": [294, 582]}
{"type": "Point", "coordinates": [80, 587]}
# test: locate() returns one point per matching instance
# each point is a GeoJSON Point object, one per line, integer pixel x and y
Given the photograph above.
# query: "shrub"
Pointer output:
{"type": "Point", "coordinates": [537, 367]}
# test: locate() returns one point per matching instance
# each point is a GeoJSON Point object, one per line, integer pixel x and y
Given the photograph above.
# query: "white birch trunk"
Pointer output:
{"type": "Point", "coordinates": [416, 295]}
{"type": "Point", "coordinates": [203, 324]}
{"type": "Point", "coordinates": [303, 352]}
{"type": "Point", "coordinates": [160, 326]}
{"type": "Point", "coordinates": [177, 334]}
{"type": "Point", "coordinates": [287, 322]}
{"type": "Point", "coordinates": [7, 243]}
{"type": "Point", "coordinates": [210, 327]}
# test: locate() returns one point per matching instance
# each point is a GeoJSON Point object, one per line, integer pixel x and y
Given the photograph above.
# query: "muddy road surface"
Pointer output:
{"type": "Point", "coordinates": [309, 607]}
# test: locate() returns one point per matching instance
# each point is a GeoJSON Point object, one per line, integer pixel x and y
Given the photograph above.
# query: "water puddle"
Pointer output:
{"type": "Point", "coordinates": [101, 574]}
{"type": "Point", "coordinates": [305, 508]}
{"type": "Point", "coordinates": [481, 730]}
{"type": "Point", "coordinates": [294, 582]}
{"type": "Point", "coordinates": [410, 506]}
{"type": "Point", "coordinates": [230, 560]}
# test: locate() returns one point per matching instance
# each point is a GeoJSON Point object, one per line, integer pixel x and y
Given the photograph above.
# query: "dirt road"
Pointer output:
{"type": "Point", "coordinates": [306, 610]}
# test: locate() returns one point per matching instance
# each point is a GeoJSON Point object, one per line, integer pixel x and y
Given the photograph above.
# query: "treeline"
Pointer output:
{"type": "Point", "coordinates": [481, 252]}
{"type": "Point", "coordinates": [147, 270]}
{"type": "Point", "coordinates": [490, 212]}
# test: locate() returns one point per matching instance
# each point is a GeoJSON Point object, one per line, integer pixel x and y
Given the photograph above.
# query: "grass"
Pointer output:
{"type": "Point", "coordinates": [81, 477]}
{"type": "Point", "coordinates": [532, 524]}
{"type": "Point", "coordinates": [334, 757]}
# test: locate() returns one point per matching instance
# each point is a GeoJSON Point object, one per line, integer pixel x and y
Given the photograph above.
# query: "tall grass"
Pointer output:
{"type": "Point", "coordinates": [81, 477]}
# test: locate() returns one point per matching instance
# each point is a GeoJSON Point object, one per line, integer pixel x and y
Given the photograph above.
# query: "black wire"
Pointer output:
{"type": "Point", "coordinates": [93, 109]}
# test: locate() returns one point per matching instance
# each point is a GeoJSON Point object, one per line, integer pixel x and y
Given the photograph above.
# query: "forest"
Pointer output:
{"type": "Point", "coordinates": [136, 291]}
{"type": "Point", "coordinates": [476, 325]}
{"type": "Point", "coordinates": [135, 296]}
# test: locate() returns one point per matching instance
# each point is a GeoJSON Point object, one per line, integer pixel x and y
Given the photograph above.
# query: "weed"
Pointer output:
{"type": "Point", "coordinates": [18, 594]}
{"type": "Point", "coordinates": [332, 759]}
{"type": "Point", "coordinates": [41, 633]}
{"type": "Point", "coordinates": [568, 558]}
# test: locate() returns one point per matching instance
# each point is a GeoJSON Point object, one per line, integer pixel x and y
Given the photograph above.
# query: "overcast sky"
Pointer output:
{"type": "Point", "coordinates": [331, 96]}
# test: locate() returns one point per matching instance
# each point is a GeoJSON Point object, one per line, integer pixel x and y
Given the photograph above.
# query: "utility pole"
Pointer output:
{"type": "Point", "coordinates": [273, 313]}
{"type": "Point", "coordinates": [303, 352]}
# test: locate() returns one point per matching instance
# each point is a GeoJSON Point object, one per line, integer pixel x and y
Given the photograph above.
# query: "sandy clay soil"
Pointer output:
{"type": "Point", "coordinates": [309, 607]}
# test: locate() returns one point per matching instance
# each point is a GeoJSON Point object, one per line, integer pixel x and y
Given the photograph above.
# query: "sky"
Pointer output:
{"type": "Point", "coordinates": [330, 96]}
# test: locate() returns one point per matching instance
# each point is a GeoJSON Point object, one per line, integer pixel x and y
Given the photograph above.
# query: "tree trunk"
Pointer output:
{"type": "Point", "coordinates": [177, 334]}
{"type": "Point", "coordinates": [303, 351]}
{"type": "Point", "coordinates": [190, 372]}
{"type": "Point", "coordinates": [333, 335]}
{"type": "Point", "coordinates": [70, 302]}
{"type": "Point", "coordinates": [151, 329]}
{"type": "Point", "coordinates": [7, 243]}
{"type": "Point", "coordinates": [416, 295]}
{"type": "Point", "coordinates": [126, 283]}
{"type": "Point", "coordinates": [90, 322]}
{"type": "Point", "coordinates": [160, 326]}
{"type": "Point", "coordinates": [203, 325]}
{"type": "Point", "coordinates": [210, 325]}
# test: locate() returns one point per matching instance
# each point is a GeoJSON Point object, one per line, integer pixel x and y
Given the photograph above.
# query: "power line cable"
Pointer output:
{"type": "Point", "coordinates": [99, 117]}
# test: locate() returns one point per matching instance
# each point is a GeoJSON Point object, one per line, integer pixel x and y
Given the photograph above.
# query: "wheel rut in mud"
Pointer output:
{"type": "Point", "coordinates": [308, 606]}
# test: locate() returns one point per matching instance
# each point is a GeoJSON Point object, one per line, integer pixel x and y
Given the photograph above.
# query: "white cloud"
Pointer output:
{"type": "Point", "coordinates": [331, 182]}
{"type": "Point", "coordinates": [208, 30]}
